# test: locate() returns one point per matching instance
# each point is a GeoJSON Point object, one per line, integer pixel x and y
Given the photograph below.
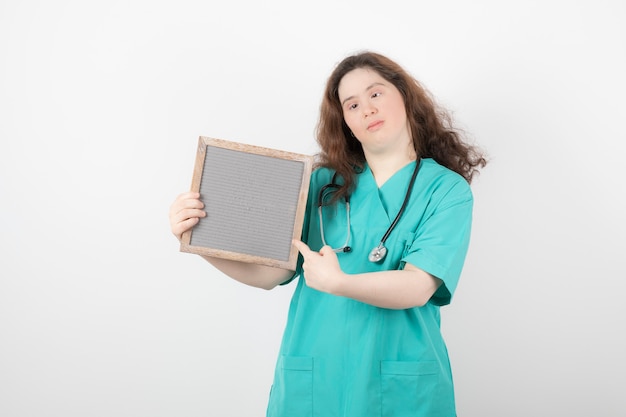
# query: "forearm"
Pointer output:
{"type": "Point", "coordinates": [398, 290]}
{"type": "Point", "coordinates": [260, 276]}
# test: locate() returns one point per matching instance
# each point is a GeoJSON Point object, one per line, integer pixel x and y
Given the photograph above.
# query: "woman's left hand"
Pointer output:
{"type": "Point", "coordinates": [321, 269]}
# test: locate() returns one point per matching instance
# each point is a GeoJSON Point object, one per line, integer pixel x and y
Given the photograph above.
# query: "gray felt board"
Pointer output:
{"type": "Point", "coordinates": [250, 201]}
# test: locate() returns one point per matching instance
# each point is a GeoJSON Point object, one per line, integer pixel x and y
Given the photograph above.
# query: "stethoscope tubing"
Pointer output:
{"type": "Point", "coordinates": [404, 203]}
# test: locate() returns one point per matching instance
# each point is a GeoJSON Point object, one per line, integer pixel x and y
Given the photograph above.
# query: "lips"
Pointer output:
{"type": "Point", "coordinates": [375, 125]}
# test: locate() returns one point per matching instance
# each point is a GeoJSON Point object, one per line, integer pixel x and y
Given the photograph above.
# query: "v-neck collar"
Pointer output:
{"type": "Point", "coordinates": [391, 194]}
{"type": "Point", "coordinates": [402, 175]}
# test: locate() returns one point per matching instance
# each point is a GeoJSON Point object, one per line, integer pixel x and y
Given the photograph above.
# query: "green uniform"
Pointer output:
{"type": "Point", "coordinates": [343, 358]}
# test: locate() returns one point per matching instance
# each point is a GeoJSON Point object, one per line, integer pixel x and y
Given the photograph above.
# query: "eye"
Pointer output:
{"type": "Point", "coordinates": [377, 94]}
{"type": "Point", "coordinates": [352, 106]}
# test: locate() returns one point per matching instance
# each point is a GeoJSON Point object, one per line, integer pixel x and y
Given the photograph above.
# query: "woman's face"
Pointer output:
{"type": "Point", "coordinates": [373, 109]}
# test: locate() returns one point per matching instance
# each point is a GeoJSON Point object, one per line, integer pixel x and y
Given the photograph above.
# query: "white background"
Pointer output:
{"type": "Point", "coordinates": [101, 105]}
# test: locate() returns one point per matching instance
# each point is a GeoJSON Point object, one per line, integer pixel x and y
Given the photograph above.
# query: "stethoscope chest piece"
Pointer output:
{"type": "Point", "coordinates": [378, 253]}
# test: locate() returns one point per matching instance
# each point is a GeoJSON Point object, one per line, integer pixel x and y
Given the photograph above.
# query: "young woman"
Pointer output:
{"type": "Point", "coordinates": [385, 236]}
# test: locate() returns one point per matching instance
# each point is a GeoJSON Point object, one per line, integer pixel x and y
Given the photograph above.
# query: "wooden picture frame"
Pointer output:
{"type": "Point", "coordinates": [255, 200]}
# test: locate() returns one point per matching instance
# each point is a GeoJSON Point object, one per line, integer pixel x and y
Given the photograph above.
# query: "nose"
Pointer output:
{"type": "Point", "coordinates": [368, 109]}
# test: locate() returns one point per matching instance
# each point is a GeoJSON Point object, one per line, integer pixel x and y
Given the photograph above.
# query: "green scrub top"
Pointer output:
{"type": "Point", "coordinates": [342, 357]}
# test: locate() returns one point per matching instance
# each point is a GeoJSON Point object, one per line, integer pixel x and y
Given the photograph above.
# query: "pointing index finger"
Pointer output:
{"type": "Point", "coordinates": [302, 247]}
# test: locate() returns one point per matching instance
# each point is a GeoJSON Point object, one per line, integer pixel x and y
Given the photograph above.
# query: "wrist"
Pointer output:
{"type": "Point", "coordinates": [341, 284]}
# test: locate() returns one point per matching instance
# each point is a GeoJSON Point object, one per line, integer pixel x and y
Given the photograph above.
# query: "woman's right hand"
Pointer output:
{"type": "Point", "coordinates": [185, 213]}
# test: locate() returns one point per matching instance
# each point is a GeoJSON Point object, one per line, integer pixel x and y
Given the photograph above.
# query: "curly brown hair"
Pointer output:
{"type": "Point", "coordinates": [431, 126]}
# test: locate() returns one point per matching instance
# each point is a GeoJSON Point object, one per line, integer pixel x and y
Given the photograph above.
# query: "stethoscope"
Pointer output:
{"type": "Point", "coordinates": [379, 252]}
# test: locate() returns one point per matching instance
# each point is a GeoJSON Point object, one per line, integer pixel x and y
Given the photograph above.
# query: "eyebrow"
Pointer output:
{"type": "Point", "coordinates": [369, 87]}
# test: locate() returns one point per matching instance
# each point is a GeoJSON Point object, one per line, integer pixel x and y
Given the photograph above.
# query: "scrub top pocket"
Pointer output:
{"type": "Point", "coordinates": [292, 392]}
{"type": "Point", "coordinates": [406, 388]}
{"type": "Point", "coordinates": [405, 242]}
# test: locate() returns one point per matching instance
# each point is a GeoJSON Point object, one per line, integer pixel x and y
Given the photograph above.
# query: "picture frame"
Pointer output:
{"type": "Point", "coordinates": [255, 200]}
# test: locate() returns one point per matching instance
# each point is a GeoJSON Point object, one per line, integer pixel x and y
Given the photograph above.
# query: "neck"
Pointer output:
{"type": "Point", "coordinates": [384, 168]}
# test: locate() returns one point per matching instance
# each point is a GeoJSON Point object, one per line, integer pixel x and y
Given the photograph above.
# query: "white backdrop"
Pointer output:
{"type": "Point", "coordinates": [101, 105]}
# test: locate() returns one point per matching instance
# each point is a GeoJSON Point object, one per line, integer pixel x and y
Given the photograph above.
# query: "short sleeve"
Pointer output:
{"type": "Point", "coordinates": [441, 242]}
{"type": "Point", "coordinates": [304, 238]}
{"type": "Point", "coordinates": [310, 208]}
